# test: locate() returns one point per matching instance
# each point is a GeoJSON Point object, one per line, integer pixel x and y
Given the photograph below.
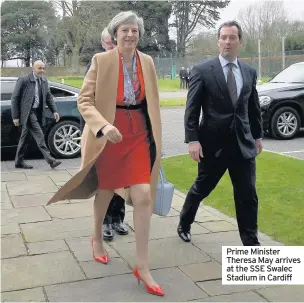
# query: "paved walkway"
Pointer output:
{"type": "Point", "coordinates": [46, 253]}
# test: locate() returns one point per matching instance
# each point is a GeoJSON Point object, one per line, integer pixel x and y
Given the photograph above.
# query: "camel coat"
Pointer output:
{"type": "Point", "coordinates": [97, 105]}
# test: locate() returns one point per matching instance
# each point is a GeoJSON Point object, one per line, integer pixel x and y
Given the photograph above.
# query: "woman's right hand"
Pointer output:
{"type": "Point", "coordinates": [112, 133]}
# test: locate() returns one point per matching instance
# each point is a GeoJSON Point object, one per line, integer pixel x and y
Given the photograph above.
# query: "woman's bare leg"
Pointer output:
{"type": "Point", "coordinates": [101, 204]}
{"type": "Point", "coordinates": [142, 202]}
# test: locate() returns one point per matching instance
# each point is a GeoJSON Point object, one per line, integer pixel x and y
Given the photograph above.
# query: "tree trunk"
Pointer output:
{"type": "Point", "coordinates": [27, 60]}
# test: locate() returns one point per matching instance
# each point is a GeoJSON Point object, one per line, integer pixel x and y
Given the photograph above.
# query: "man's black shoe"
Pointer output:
{"type": "Point", "coordinates": [184, 234]}
{"type": "Point", "coordinates": [120, 228]}
{"type": "Point", "coordinates": [107, 232]}
{"type": "Point", "coordinates": [23, 165]}
{"type": "Point", "coordinates": [55, 164]}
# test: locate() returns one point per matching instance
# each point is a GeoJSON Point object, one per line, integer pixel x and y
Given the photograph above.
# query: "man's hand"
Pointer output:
{"type": "Point", "coordinates": [112, 133]}
{"type": "Point", "coordinates": [259, 145]}
{"type": "Point", "coordinates": [57, 117]}
{"type": "Point", "coordinates": [195, 150]}
{"type": "Point", "coordinates": [16, 122]}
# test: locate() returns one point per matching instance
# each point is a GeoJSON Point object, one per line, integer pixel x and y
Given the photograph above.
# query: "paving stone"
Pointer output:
{"type": "Point", "coordinates": [82, 248]}
{"type": "Point", "coordinates": [3, 186]}
{"type": "Point", "coordinates": [177, 202]}
{"type": "Point", "coordinates": [57, 229]}
{"type": "Point", "coordinates": [118, 239]}
{"type": "Point", "coordinates": [27, 295]}
{"type": "Point", "coordinates": [172, 213]}
{"type": "Point", "coordinates": [220, 237]}
{"type": "Point", "coordinates": [163, 253]}
{"type": "Point", "coordinates": [60, 184]}
{"type": "Point", "coordinates": [215, 248]}
{"type": "Point", "coordinates": [164, 227]}
{"type": "Point", "coordinates": [72, 172]}
{"type": "Point", "coordinates": [203, 216]}
{"type": "Point", "coordinates": [219, 214]}
{"type": "Point", "coordinates": [39, 177]}
{"type": "Point", "coordinates": [65, 211]}
{"type": "Point", "coordinates": [47, 172]}
{"type": "Point", "coordinates": [125, 288]}
{"type": "Point", "coordinates": [90, 201]}
{"type": "Point", "coordinates": [46, 247]}
{"type": "Point", "coordinates": [39, 270]}
{"type": "Point", "coordinates": [5, 201]}
{"type": "Point", "coordinates": [29, 187]}
{"type": "Point", "coordinates": [5, 197]}
{"type": "Point", "coordinates": [214, 288]}
{"type": "Point", "coordinates": [286, 293]}
{"type": "Point", "coordinates": [218, 226]}
{"type": "Point", "coordinates": [12, 246]}
{"type": "Point", "coordinates": [24, 215]}
{"type": "Point", "coordinates": [12, 176]}
{"type": "Point", "coordinates": [11, 228]}
{"type": "Point", "coordinates": [31, 200]}
{"type": "Point", "coordinates": [248, 296]}
{"type": "Point", "coordinates": [62, 177]}
{"type": "Point", "coordinates": [129, 215]}
{"type": "Point", "coordinates": [203, 271]}
{"type": "Point", "coordinates": [115, 266]}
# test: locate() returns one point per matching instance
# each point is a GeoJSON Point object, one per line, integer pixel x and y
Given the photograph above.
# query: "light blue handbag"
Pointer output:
{"type": "Point", "coordinates": [164, 196]}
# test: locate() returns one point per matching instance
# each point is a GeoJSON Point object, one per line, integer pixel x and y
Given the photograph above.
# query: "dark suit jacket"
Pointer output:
{"type": "Point", "coordinates": [208, 92]}
{"type": "Point", "coordinates": [24, 95]}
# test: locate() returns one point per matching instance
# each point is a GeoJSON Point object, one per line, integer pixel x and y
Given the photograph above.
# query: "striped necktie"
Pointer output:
{"type": "Point", "coordinates": [231, 83]}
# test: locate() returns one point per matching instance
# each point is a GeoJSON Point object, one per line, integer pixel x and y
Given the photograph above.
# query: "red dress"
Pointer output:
{"type": "Point", "coordinates": [126, 163]}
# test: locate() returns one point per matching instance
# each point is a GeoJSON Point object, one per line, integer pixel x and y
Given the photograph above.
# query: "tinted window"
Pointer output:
{"type": "Point", "coordinates": [292, 74]}
{"type": "Point", "coordinates": [57, 92]}
{"type": "Point", "coordinates": [7, 89]}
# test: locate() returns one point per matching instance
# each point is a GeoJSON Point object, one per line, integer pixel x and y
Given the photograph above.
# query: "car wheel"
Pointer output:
{"type": "Point", "coordinates": [64, 139]}
{"type": "Point", "coordinates": [285, 123]}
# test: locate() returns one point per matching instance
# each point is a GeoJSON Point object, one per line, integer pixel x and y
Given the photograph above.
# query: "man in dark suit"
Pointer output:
{"type": "Point", "coordinates": [107, 44]}
{"type": "Point", "coordinates": [229, 135]}
{"type": "Point", "coordinates": [29, 99]}
{"type": "Point", "coordinates": [116, 211]}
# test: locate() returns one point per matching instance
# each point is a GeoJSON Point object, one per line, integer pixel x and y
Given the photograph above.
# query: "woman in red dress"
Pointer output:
{"type": "Point", "coordinates": [125, 161]}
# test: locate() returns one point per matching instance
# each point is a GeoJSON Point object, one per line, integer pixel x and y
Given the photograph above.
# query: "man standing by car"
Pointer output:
{"type": "Point", "coordinates": [229, 135]}
{"type": "Point", "coordinates": [29, 99]}
{"type": "Point", "coordinates": [116, 211]}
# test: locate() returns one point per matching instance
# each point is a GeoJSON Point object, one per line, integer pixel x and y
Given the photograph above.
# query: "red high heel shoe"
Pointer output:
{"type": "Point", "coordinates": [102, 259]}
{"type": "Point", "coordinates": [154, 290]}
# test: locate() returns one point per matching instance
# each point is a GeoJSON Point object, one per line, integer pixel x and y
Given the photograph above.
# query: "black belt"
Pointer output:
{"type": "Point", "coordinates": [137, 106]}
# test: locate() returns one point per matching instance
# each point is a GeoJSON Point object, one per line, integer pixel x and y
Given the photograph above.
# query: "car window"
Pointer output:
{"type": "Point", "coordinates": [292, 74]}
{"type": "Point", "coordinates": [7, 89]}
{"type": "Point", "coordinates": [57, 92]}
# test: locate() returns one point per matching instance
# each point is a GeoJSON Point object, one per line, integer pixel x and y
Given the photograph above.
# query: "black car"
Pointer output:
{"type": "Point", "coordinates": [282, 102]}
{"type": "Point", "coordinates": [63, 138]}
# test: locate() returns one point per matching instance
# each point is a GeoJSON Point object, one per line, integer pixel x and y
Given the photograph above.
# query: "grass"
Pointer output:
{"type": "Point", "coordinates": [163, 84]}
{"type": "Point", "coordinates": [280, 190]}
{"type": "Point", "coordinates": [173, 102]}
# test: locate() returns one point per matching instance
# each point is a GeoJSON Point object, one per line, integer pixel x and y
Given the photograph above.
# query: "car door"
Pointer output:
{"type": "Point", "coordinates": [10, 134]}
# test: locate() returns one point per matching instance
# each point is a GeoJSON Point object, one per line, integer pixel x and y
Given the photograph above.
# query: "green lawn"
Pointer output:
{"type": "Point", "coordinates": [173, 102]}
{"type": "Point", "coordinates": [280, 187]}
{"type": "Point", "coordinates": [163, 84]}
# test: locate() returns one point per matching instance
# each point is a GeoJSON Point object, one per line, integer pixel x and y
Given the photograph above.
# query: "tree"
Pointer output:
{"type": "Point", "coordinates": [203, 44]}
{"type": "Point", "coordinates": [189, 14]}
{"type": "Point", "coordinates": [266, 21]}
{"type": "Point", "coordinates": [81, 20]}
{"type": "Point", "coordinates": [24, 28]}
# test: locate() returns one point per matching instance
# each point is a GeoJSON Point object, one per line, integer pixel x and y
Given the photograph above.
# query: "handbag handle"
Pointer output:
{"type": "Point", "coordinates": [162, 175]}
